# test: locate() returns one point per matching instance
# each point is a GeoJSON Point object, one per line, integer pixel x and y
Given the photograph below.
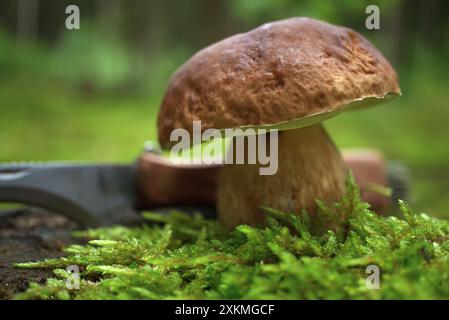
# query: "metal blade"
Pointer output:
{"type": "Point", "coordinates": [91, 194]}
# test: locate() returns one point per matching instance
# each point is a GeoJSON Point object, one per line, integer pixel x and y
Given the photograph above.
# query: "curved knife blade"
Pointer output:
{"type": "Point", "coordinates": [90, 194]}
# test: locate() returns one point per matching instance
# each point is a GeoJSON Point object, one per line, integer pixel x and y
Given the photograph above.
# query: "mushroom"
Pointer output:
{"type": "Point", "coordinates": [288, 75]}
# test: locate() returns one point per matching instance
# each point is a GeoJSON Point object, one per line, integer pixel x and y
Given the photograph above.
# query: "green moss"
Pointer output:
{"type": "Point", "coordinates": [184, 257]}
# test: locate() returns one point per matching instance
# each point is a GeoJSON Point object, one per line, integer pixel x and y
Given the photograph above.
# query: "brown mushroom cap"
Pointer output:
{"type": "Point", "coordinates": [296, 69]}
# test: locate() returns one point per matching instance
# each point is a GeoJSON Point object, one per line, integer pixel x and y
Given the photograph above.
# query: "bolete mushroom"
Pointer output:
{"type": "Point", "coordinates": [290, 75]}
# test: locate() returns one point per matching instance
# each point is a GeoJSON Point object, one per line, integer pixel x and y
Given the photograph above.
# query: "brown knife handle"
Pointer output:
{"type": "Point", "coordinates": [369, 169]}
{"type": "Point", "coordinates": [163, 183]}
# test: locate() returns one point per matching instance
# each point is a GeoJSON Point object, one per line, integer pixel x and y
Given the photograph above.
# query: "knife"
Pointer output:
{"type": "Point", "coordinates": [96, 194]}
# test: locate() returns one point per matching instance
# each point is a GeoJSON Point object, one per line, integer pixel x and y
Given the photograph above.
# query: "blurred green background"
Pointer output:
{"type": "Point", "coordinates": [94, 93]}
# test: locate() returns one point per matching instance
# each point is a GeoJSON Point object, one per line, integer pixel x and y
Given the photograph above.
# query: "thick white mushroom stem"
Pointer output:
{"type": "Point", "coordinates": [309, 167]}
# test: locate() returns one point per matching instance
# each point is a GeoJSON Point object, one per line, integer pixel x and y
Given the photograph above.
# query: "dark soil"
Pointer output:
{"type": "Point", "coordinates": [29, 234]}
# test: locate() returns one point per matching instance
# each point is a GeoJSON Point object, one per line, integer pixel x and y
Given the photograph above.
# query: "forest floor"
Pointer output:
{"type": "Point", "coordinates": [29, 234]}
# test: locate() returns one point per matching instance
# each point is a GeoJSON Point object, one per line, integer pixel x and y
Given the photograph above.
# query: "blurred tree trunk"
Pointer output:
{"type": "Point", "coordinates": [8, 15]}
{"type": "Point", "coordinates": [27, 19]}
{"type": "Point", "coordinates": [404, 38]}
{"type": "Point", "coordinates": [109, 17]}
{"type": "Point", "coordinates": [417, 22]}
{"type": "Point", "coordinates": [216, 23]}
{"type": "Point", "coordinates": [432, 16]}
{"type": "Point", "coordinates": [148, 25]}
